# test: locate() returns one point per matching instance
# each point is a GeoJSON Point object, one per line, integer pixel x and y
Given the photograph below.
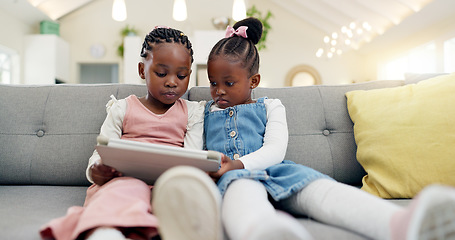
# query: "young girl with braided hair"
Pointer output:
{"type": "Point", "coordinates": [117, 207]}
{"type": "Point", "coordinates": [253, 135]}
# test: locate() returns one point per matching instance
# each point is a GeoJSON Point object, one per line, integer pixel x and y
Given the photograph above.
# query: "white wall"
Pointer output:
{"type": "Point", "coordinates": [438, 31]}
{"type": "Point", "coordinates": [289, 46]}
{"type": "Point", "coordinates": [94, 24]}
{"type": "Point", "coordinates": [286, 47]}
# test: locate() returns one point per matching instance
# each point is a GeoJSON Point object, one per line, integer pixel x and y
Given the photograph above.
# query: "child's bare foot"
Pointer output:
{"type": "Point", "coordinates": [431, 215]}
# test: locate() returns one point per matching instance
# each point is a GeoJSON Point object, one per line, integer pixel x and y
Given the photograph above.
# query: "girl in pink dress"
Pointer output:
{"type": "Point", "coordinates": [117, 207]}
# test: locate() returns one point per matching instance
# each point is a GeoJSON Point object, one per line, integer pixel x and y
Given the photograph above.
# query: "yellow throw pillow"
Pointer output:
{"type": "Point", "coordinates": [405, 136]}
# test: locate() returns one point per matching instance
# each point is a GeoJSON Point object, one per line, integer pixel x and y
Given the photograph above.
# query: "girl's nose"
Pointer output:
{"type": "Point", "coordinates": [171, 82]}
{"type": "Point", "coordinates": [220, 91]}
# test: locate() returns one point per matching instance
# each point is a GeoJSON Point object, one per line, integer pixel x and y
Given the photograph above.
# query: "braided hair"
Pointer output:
{"type": "Point", "coordinates": [164, 34]}
{"type": "Point", "coordinates": [237, 48]}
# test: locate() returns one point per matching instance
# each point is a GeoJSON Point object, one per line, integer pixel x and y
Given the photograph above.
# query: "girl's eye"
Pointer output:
{"type": "Point", "coordinates": [181, 77]}
{"type": "Point", "coordinates": [213, 84]}
{"type": "Point", "coordinates": [161, 75]}
{"type": "Point", "coordinates": [229, 84]}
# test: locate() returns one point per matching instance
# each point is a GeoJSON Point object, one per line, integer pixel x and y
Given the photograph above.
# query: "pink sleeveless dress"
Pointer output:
{"type": "Point", "coordinates": [124, 202]}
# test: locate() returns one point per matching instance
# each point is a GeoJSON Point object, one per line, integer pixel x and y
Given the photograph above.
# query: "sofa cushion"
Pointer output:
{"type": "Point", "coordinates": [320, 130]}
{"type": "Point", "coordinates": [405, 136]}
{"type": "Point", "coordinates": [25, 209]}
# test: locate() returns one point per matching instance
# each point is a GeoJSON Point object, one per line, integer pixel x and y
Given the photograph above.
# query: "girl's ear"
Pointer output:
{"type": "Point", "coordinates": [255, 80]}
{"type": "Point", "coordinates": [140, 69]}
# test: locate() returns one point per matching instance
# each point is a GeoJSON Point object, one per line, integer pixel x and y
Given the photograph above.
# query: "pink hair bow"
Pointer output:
{"type": "Point", "coordinates": [241, 32]}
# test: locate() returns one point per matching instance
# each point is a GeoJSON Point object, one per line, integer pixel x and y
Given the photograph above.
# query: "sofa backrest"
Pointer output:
{"type": "Point", "coordinates": [320, 129]}
{"type": "Point", "coordinates": [48, 133]}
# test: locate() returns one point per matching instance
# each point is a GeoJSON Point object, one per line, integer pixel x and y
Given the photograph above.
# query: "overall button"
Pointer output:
{"type": "Point", "coordinates": [231, 113]}
{"type": "Point", "coordinates": [236, 156]}
{"type": "Point", "coordinates": [326, 132]}
{"type": "Point", "coordinates": [40, 133]}
{"type": "Point", "coordinates": [232, 134]}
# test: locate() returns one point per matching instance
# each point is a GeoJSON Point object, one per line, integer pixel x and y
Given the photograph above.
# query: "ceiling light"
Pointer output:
{"type": "Point", "coordinates": [352, 35]}
{"type": "Point", "coordinates": [119, 10]}
{"type": "Point", "coordinates": [344, 29]}
{"type": "Point", "coordinates": [326, 39]}
{"type": "Point", "coordinates": [319, 52]}
{"type": "Point", "coordinates": [179, 13]}
{"type": "Point", "coordinates": [238, 10]}
{"type": "Point", "coordinates": [352, 25]}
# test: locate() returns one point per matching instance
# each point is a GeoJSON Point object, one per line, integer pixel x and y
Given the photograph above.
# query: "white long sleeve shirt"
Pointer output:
{"type": "Point", "coordinates": [112, 126]}
{"type": "Point", "coordinates": [272, 151]}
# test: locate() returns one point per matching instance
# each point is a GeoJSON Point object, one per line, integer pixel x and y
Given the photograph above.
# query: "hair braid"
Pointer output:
{"type": "Point", "coordinates": [169, 35]}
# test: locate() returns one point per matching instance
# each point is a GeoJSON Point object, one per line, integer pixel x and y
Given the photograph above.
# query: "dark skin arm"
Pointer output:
{"type": "Point", "coordinates": [101, 173]}
{"type": "Point", "coordinates": [227, 164]}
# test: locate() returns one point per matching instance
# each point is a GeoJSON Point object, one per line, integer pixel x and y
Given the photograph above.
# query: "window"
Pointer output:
{"type": "Point", "coordinates": [5, 68]}
{"type": "Point", "coordinates": [422, 59]}
{"type": "Point", "coordinates": [449, 55]}
{"type": "Point", "coordinates": [9, 66]}
{"type": "Point", "coordinates": [419, 60]}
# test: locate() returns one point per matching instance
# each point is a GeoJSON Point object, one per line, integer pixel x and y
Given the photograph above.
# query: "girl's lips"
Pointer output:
{"type": "Point", "coordinates": [170, 94]}
{"type": "Point", "coordinates": [221, 102]}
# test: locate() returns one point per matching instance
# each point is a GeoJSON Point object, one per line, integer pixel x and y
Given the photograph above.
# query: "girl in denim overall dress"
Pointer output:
{"type": "Point", "coordinates": [260, 190]}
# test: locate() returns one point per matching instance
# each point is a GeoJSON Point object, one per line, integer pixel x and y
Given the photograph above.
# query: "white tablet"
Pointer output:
{"type": "Point", "coordinates": [147, 161]}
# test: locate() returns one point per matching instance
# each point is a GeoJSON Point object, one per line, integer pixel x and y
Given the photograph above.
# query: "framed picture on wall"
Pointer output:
{"type": "Point", "coordinates": [302, 75]}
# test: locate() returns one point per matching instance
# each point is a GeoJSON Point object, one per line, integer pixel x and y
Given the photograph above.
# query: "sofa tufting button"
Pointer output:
{"type": "Point", "coordinates": [40, 133]}
{"type": "Point", "coordinates": [326, 132]}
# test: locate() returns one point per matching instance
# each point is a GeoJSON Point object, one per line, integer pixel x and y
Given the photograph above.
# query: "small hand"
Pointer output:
{"type": "Point", "coordinates": [227, 164]}
{"type": "Point", "coordinates": [101, 173]}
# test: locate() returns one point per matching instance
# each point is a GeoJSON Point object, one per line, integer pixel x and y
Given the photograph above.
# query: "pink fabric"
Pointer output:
{"type": "Point", "coordinates": [122, 202]}
{"type": "Point", "coordinates": [399, 224]}
{"type": "Point", "coordinates": [240, 31]}
{"type": "Point", "coordinates": [141, 124]}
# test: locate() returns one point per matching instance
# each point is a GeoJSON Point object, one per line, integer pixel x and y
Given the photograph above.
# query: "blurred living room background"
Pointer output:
{"type": "Point", "coordinates": [308, 42]}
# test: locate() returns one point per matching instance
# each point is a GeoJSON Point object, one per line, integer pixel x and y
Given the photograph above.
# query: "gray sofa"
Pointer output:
{"type": "Point", "coordinates": [47, 134]}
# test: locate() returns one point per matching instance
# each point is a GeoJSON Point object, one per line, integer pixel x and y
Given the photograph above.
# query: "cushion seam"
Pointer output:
{"type": "Point", "coordinates": [326, 127]}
